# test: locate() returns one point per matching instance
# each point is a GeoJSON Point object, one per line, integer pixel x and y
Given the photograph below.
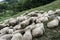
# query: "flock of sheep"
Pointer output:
{"type": "Point", "coordinates": [28, 26]}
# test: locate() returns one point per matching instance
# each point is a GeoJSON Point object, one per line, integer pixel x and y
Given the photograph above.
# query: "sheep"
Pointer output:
{"type": "Point", "coordinates": [25, 23]}
{"type": "Point", "coordinates": [33, 14]}
{"type": "Point", "coordinates": [7, 36]}
{"type": "Point", "coordinates": [53, 23]}
{"type": "Point", "coordinates": [22, 18]}
{"type": "Point", "coordinates": [31, 27]}
{"type": "Point", "coordinates": [19, 31]}
{"type": "Point", "coordinates": [4, 30]}
{"type": "Point", "coordinates": [12, 21]}
{"type": "Point", "coordinates": [2, 39]}
{"type": "Point", "coordinates": [58, 18]}
{"type": "Point", "coordinates": [17, 27]}
{"type": "Point", "coordinates": [51, 12]}
{"type": "Point", "coordinates": [39, 30]}
{"type": "Point", "coordinates": [2, 26]}
{"type": "Point", "coordinates": [57, 11]}
{"type": "Point", "coordinates": [45, 14]}
{"type": "Point", "coordinates": [43, 19]}
{"type": "Point", "coordinates": [40, 15]}
{"type": "Point", "coordinates": [38, 21]}
{"type": "Point", "coordinates": [41, 11]}
{"type": "Point", "coordinates": [17, 36]}
{"type": "Point", "coordinates": [27, 35]}
{"type": "Point", "coordinates": [10, 31]}
{"type": "Point", "coordinates": [33, 19]}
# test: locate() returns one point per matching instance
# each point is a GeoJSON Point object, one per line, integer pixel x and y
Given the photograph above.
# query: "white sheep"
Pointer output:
{"type": "Point", "coordinates": [58, 18]}
{"type": "Point", "coordinates": [45, 14]}
{"type": "Point", "coordinates": [4, 30]}
{"type": "Point", "coordinates": [10, 31]}
{"type": "Point", "coordinates": [12, 21]}
{"type": "Point", "coordinates": [17, 27]}
{"type": "Point", "coordinates": [33, 19]}
{"type": "Point", "coordinates": [6, 36]}
{"type": "Point", "coordinates": [53, 23]}
{"type": "Point", "coordinates": [33, 14]}
{"type": "Point", "coordinates": [2, 26]}
{"type": "Point", "coordinates": [51, 12]}
{"type": "Point", "coordinates": [22, 18]}
{"type": "Point", "coordinates": [25, 23]}
{"type": "Point", "coordinates": [32, 26]}
{"type": "Point", "coordinates": [27, 35]}
{"type": "Point", "coordinates": [2, 39]}
{"type": "Point", "coordinates": [39, 30]}
{"type": "Point", "coordinates": [43, 19]}
{"type": "Point", "coordinates": [57, 11]}
{"type": "Point", "coordinates": [17, 36]}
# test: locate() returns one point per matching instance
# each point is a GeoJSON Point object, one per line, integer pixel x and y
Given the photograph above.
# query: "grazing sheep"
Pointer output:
{"type": "Point", "coordinates": [12, 21]}
{"type": "Point", "coordinates": [58, 18]}
{"type": "Point", "coordinates": [25, 23]}
{"type": "Point", "coordinates": [32, 26]}
{"type": "Point", "coordinates": [40, 15]}
{"type": "Point", "coordinates": [27, 35]}
{"type": "Point", "coordinates": [22, 18]}
{"type": "Point", "coordinates": [17, 36]}
{"type": "Point", "coordinates": [33, 14]}
{"type": "Point", "coordinates": [57, 11]}
{"type": "Point", "coordinates": [43, 19]}
{"type": "Point", "coordinates": [53, 23]}
{"type": "Point", "coordinates": [18, 31]}
{"type": "Point", "coordinates": [10, 31]}
{"type": "Point", "coordinates": [41, 11]}
{"type": "Point", "coordinates": [45, 14]}
{"type": "Point", "coordinates": [17, 27]}
{"type": "Point", "coordinates": [51, 12]}
{"type": "Point", "coordinates": [2, 39]}
{"type": "Point", "coordinates": [39, 30]}
{"type": "Point", "coordinates": [33, 19]}
{"type": "Point", "coordinates": [4, 30]}
{"type": "Point", "coordinates": [2, 26]}
{"type": "Point", "coordinates": [7, 36]}
{"type": "Point", "coordinates": [38, 21]}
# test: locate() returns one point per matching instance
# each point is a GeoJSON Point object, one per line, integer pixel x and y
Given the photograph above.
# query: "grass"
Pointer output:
{"type": "Point", "coordinates": [50, 34]}
{"type": "Point", "coordinates": [51, 6]}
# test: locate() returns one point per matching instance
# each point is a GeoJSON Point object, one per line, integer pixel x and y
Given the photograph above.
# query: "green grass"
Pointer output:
{"type": "Point", "coordinates": [51, 6]}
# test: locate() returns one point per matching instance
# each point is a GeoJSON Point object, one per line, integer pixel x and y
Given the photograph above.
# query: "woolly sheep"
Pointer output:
{"type": "Point", "coordinates": [38, 31]}
{"type": "Point", "coordinates": [22, 18]}
{"type": "Point", "coordinates": [58, 18]}
{"type": "Point", "coordinates": [53, 23]}
{"type": "Point", "coordinates": [2, 39]}
{"type": "Point", "coordinates": [17, 36]}
{"type": "Point", "coordinates": [40, 15]}
{"type": "Point", "coordinates": [18, 31]}
{"type": "Point", "coordinates": [38, 21]}
{"type": "Point", "coordinates": [17, 27]}
{"type": "Point", "coordinates": [51, 12]}
{"type": "Point", "coordinates": [25, 23]}
{"type": "Point", "coordinates": [33, 14]}
{"type": "Point", "coordinates": [2, 26]}
{"type": "Point", "coordinates": [57, 11]}
{"type": "Point", "coordinates": [12, 21]}
{"type": "Point", "coordinates": [43, 19]}
{"type": "Point", "coordinates": [45, 14]}
{"type": "Point", "coordinates": [31, 27]}
{"type": "Point", "coordinates": [27, 35]}
{"type": "Point", "coordinates": [33, 19]}
{"type": "Point", "coordinates": [4, 30]}
{"type": "Point", "coordinates": [7, 36]}
{"type": "Point", "coordinates": [10, 31]}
